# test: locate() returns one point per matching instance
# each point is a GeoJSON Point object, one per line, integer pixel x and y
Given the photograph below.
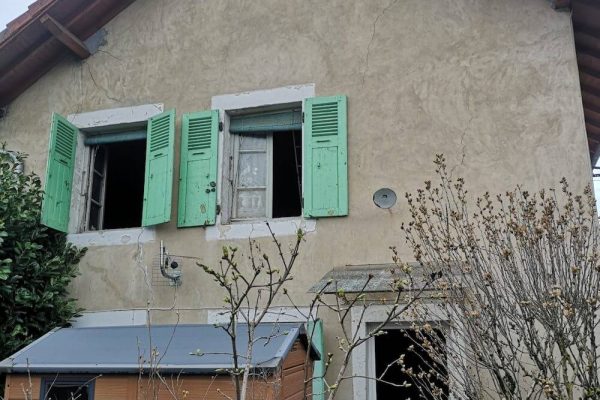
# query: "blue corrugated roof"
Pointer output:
{"type": "Point", "coordinates": [122, 349]}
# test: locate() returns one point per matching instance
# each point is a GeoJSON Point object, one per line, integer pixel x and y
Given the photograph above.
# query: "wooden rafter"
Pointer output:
{"type": "Point", "coordinates": [593, 122]}
{"type": "Point", "coordinates": [587, 40]}
{"type": "Point", "coordinates": [590, 100]}
{"type": "Point", "coordinates": [593, 130]}
{"type": "Point", "coordinates": [65, 36]}
{"type": "Point", "coordinates": [589, 61]}
{"type": "Point", "coordinates": [593, 115]}
{"type": "Point", "coordinates": [590, 81]}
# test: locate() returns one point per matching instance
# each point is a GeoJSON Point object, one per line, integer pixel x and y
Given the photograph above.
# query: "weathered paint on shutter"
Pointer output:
{"type": "Point", "coordinates": [325, 157]}
{"type": "Point", "coordinates": [56, 204]}
{"type": "Point", "coordinates": [198, 169]}
{"type": "Point", "coordinates": [158, 184]}
{"type": "Point", "coordinates": [315, 331]}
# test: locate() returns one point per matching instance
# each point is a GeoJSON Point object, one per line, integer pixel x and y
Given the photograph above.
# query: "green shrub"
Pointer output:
{"type": "Point", "coordinates": [36, 263]}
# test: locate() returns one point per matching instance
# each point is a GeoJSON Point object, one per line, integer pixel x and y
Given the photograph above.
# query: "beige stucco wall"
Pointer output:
{"type": "Point", "coordinates": [490, 83]}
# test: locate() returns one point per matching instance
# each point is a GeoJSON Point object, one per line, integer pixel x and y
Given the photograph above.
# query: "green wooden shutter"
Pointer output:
{"type": "Point", "coordinates": [325, 157]}
{"type": "Point", "coordinates": [198, 169]}
{"type": "Point", "coordinates": [158, 184]}
{"type": "Point", "coordinates": [56, 205]}
{"type": "Point", "coordinates": [315, 331]}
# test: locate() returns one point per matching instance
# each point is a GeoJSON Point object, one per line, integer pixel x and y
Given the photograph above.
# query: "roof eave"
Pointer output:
{"type": "Point", "coordinates": [29, 49]}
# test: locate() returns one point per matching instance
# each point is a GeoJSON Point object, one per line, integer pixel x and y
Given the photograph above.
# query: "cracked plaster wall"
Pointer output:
{"type": "Point", "coordinates": [492, 84]}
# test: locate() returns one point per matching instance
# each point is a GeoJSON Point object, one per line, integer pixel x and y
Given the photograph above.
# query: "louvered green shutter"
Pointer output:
{"type": "Point", "coordinates": [158, 184]}
{"type": "Point", "coordinates": [198, 169]}
{"type": "Point", "coordinates": [315, 331]}
{"type": "Point", "coordinates": [325, 157]}
{"type": "Point", "coordinates": [56, 205]}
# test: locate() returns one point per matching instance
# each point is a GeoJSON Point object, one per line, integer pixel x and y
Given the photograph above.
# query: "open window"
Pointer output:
{"type": "Point", "coordinates": [127, 179]}
{"type": "Point", "coordinates": [287, 160]}
{"type": "Point", "coordinates": [115, 190]}
{"type": "Point", "coordinates": [267, 165]}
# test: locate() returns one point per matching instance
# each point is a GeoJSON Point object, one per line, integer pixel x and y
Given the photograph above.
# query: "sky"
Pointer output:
{"type": "Point", "coordinates": [10, 9]}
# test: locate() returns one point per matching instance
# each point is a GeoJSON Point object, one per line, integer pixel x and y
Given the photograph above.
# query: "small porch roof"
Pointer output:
{"type": "Point", "coordinates": [355, 278]}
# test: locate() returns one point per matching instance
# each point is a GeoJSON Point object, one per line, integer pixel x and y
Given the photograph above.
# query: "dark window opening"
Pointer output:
{"type": "Point", "coordinates": [68, 389]}
{"type": "Point", "coordinates": [287, 174]}
{"type": "Point", "coordinates": [68, 393]}
{"type": "Point", "coordinates": [117, 186]}
{"type": "Point", "coordinates": [427, 375]}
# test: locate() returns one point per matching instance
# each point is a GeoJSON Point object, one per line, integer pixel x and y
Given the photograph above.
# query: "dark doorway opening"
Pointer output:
{"type": "Point", "coordinates": [390, 347]}
{"type": "Point", "coordinates": [287, 174]}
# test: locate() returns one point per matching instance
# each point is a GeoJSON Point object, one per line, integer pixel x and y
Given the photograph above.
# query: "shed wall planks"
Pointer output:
{"type": "Point", "coordinates": [17, 387]}
{"type": "Point", "coordinates": [294, 373]}
{"type": "Point", "coordinates": [286, 384]}
{"type": "Point", "coordinates": [133, 387]}
{"type": "Point", "coordinates": [116, 387]}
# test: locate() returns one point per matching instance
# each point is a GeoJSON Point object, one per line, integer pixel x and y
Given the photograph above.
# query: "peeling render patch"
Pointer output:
{"type": "Point", "coordinates": [94, 42]}
{"type": "Point", "coordinates": [258, 229]}
{"type": "Point", "coordinates": [115, 117]}
{"type": "Point", "coordinates": [113, 237]}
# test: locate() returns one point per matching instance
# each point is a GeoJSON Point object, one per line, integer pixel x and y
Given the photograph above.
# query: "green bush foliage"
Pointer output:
{"type": "Point", "coordinates": [36, 262]}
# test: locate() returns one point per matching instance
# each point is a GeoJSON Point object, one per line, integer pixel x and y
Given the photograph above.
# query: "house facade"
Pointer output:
{"type": "Point", "coordinates": [194, 122]}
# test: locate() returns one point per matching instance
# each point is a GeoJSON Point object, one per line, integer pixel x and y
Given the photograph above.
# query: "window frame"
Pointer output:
{"type": "Point", "coordinates": [234, 173]}
{"type": "Point", "coordinates": [100, 122]}
{"type": "Point", "coordinates": [402, 326]}
{"type": "Point", "coordinates": [363, 357]}
{"type": "Point", "coordinates": [68, 380]}
{"type": "Point", "coordinates": [102, 199]}
{"type": "Point", "coordinates": [228, 198]}
{"type": "Point", "coordinates": [228, 105]}
{"type": "Point", "coordinates": [90, 151]}
{"type": "Point", "coordinates": [596, 185]}
{"type": "Point", "coordinates": [269, 185]}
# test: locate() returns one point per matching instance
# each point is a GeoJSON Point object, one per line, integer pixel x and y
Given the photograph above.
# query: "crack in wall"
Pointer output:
{"type": "Point", "coordinates": [462, 145]}
{"type": "Point", "coordinates": [99, 87]}
{"type": "Point", "coordinates": [111, 55]}
{"type": "Point", "coordinates": [373, 31]}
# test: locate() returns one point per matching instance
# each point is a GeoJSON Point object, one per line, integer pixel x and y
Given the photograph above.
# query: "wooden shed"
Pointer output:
{"type": "Point", "coordinates": [160, 362]}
